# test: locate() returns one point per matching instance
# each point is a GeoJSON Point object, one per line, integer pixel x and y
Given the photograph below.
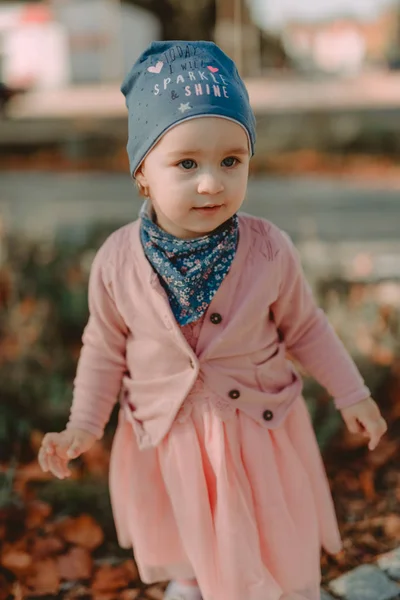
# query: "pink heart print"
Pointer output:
{"type": "Point", "coordinates": [157, 68]}
{"type": "Point", "coordinates": [213, 69]}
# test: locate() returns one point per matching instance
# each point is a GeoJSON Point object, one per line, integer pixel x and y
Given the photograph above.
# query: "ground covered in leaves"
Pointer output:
{"type": "Point", "coordinates": [57, 538]}
{"type": "Point", "coordinates": [48, 554]}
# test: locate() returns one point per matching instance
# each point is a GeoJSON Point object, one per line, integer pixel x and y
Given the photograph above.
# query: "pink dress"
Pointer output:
{"type": "Point", "coordinates": [242, 508]}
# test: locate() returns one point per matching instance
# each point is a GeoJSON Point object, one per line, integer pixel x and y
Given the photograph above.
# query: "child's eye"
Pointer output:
{"type": "Point", "coordinates": [230, 161]}
{"type": "Point", "coordinates": [187, 164]}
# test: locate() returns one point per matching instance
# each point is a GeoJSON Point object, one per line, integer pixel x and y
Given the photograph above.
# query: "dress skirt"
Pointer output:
{"type": "Point", "coordinates": [241, 508]}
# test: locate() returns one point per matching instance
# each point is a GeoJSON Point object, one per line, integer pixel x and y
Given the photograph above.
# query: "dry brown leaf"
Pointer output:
{"type": "Point", "coordinates": [131, 569]}
{"type": "Point", "coordinates": [45, 578]}
{"type": "Point", "coordinates": [36, 438]}
{"type": "Point", "coordinates": [347, 481]}
{"type": "Point", "coordinates": [76, 564]}
{"type": "Point", "coordinates": [83, 531]}
{"type": "Point", "coordinates": [97, 459]}
{"type": "Point", "coordinates": [110, 579]}
{"type": "Point", "coordinates": [27, 306]}
{"type": "Point", "coordinates": [367, 477]}
{"type": "Point", "coordinates": [382, 356]}
{"type": "Point", "coordinates": [37, 513]}
{"type": "Point", "coordinates": [368, 540]}
{"type": "Point", "coordinates": [392, 526]}
{"type": "Point", "coordinates": [385, 451]}
{"type": "Point", "coordinates": [16, 561]}
{"type": "Point", "coordinates": [27, 473]}
{"type": "Point", "coordinates": [341, 557]}
{"type": "Point", "coordinates": [10, 349]}
{"type": "Point", "coordinates": [45, 547]}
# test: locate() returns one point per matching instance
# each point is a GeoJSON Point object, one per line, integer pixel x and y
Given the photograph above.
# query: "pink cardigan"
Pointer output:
{"type": "Point", "coordinates": [133, 344]}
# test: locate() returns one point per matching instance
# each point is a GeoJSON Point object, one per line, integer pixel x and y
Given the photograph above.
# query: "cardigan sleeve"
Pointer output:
{"type": "Point", "coordinates": [308, 335]}
{"type": "Point", "coordinates": [101, 364]}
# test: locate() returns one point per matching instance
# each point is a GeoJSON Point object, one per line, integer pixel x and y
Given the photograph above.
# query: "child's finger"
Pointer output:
{"type": "Point", "coordinates": [54, 466]}
{"type": "Point", "coordinates": [354, 426]}
{"type": "Point", "coordinates": [58, 467]}
{"type": "Point", "coordinates": [42, 459]}
{"type": "Point", "coordinates": [74, 450]}
{"type": "Point", "coordinates": [47, 449]}
{"type": "Point", "coordinates": [55, 443]}
{"type": "Point", "coordinates": [376, 430]}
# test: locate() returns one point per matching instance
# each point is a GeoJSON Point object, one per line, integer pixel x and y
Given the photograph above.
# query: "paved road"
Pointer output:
{"type": "Point", "coordinates": [338, 211]}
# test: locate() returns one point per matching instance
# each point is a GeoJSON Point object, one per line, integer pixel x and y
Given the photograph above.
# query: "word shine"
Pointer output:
{"type": "Point", "coordinates": [216, 84]}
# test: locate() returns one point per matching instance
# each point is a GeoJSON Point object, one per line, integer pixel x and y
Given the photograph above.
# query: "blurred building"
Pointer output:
{"type": "Point", "coordinates": [65, 42]}
{"type": "Point", "coordinates": [33, 47]}
{"type": "Point", "coordinates": [342, 45]}
{"type": "Point", "coordinates": [253, 49]}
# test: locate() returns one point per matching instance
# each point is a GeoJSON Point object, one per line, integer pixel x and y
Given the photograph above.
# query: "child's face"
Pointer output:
{"type": "Point", "coordinates": [196, 175]}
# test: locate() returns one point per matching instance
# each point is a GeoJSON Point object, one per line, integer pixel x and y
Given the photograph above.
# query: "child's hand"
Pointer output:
{"type": "Point", "coordinates": [365, 417]}
{"type": "Point", "coordinates": [58, 449]}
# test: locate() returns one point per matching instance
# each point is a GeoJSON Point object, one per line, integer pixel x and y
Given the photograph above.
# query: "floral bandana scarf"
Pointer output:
{"type": "Point", "coordinates": [190, 271]}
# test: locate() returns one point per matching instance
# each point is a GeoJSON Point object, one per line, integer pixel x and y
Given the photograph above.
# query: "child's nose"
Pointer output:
{"type": "Point", "coordinates": [210, 183]}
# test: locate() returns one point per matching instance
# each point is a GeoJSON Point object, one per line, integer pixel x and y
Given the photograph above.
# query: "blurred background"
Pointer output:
{"type": "Point", "coordinates": [324, 81]}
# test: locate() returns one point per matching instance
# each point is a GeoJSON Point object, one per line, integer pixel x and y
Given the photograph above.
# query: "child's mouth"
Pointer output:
{"type": "Point", "coordinates": [208, 210]}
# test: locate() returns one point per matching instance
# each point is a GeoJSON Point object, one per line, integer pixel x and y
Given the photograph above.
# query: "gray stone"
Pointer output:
{"type": "Point", "coordinates": [367, 582]}
{"type": "Point", "coordinates": [390, 563]}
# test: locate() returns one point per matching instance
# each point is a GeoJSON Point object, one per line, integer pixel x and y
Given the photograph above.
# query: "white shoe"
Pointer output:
{"type": "Point", "coordinates": [178, 591]}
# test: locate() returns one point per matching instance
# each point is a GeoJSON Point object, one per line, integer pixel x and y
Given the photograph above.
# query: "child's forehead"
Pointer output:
{"type": "Point", "coordinates": [206, 132]}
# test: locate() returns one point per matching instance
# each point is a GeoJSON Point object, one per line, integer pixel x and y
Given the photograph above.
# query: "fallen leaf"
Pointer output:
{"type": "Point", "coordinates": [44, 547]}
{"type": "Point", "coordinates": [97, 459]}
{"type": "Point", "coordinates": [27, 473]}
{"type": "Point", "coordinates": [76, 564]}
{"type": "Point", "coordinates": [385, 450]}
{"type": "Point", "coordinates": [392, 526]}
{"type": "Point", "coordinates": [37, 513]}
{"type": "Point", "coordinates": [131, 569]}
{"type": "Point", "coordinates": [367, 539]}
{"type": "Point", "coordinates": [382, 356]}
{"type": "Point", "coordinates": [367, 477]}
{"type": "Point", "coordinates": [16, 561]}
{"type": "Point", "coordinates": [83, 531]}
{"type": "Point", "coordinates": [36, 438]}
{"type": "Point", "coordinates": [110, 579]}
{"type": "Point", "coordinates": [45, 578]}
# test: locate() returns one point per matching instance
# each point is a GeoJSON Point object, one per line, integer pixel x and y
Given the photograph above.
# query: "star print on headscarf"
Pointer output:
{"type": "Point", "coordinates": [184, 107]}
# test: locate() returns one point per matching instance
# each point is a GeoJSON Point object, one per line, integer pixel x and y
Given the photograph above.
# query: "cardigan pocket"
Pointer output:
{"type": "Point", "coordinates": [262, 357]}
{"type": "Point", "coordinates": [129, 409]}
{"type": "Point", "coordinates": [273, 374]}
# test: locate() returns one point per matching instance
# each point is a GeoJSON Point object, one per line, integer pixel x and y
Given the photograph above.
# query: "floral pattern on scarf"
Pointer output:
{"type": "Point", "coordinates": [190, 271]}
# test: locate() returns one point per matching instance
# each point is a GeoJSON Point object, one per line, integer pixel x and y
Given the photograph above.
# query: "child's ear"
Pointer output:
{"type": "Point", "coordinates": [140, 176]}
{"type": "Point", "coordinates": [141, 183]}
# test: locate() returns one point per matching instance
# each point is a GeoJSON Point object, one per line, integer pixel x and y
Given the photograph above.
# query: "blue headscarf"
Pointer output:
{"type": "Point", "coordinates": [177, 80]}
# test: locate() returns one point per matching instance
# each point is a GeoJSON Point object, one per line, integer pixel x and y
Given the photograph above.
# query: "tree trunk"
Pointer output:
{"type": "Point", "coordinates": [182, 19]}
